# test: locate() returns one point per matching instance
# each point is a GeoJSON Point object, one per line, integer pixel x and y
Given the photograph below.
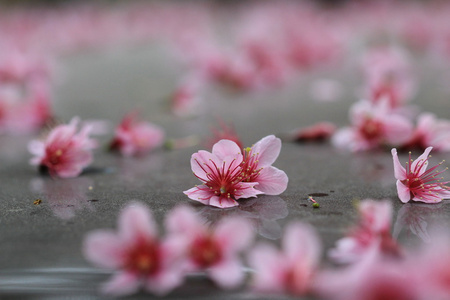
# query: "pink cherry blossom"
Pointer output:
{"type": "Point", "coordinates": [373, 125]}
{"type": "Point", "coordinates": [134, 137]}
{"type": "Point", "coordinates": [315, 133]}
{"type": "Point", "coordinates": [64, 152]}
{"type": "Point", "coordinates": [432, 264]}
{"type": "Point", "coordinates": [221, 175]}
{"type": "Point", "coordinates": [257, 166]}
{"type": "Point", "coordinates": [213, 250]}
{"type": "Point", "coordinates": [140, 257]}
{"type": "Point", "coordinates": [186, 98]}
{"type": "Point", "coordinates": [291, 270]}
{"type": "Point", "coordinates": [416, 183]}
{"type": "Point", "coordinates": [430, 131]}
{"type": "Point", "coordinates": [388, 75]}
{"type": "Point", "coordinates": [374, 278]}
{"type": "Point", "coordinates": [372, 231]}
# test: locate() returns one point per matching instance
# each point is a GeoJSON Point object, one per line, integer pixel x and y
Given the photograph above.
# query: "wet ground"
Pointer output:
{"type": "Point", "coordinates": [41, 243]}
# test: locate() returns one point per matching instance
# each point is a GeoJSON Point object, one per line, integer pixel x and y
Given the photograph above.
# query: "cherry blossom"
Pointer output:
{"type": "Point", "coordinates": [214, 250]}
{"type": "Point", "coordinates": [430, 131]}
{"type": "Point", "coordinates": [221, 175]}
{"type": "Point", "coordinates": [374, 278]}
{"type": "Point", "coordinates": [291, 270]}
{"type": "Point", "coordinates": [388, 75]}
{"type": "Point", "coordinates": [64, 152]}
{"type": "Point", "coordinates": [432, 263]}
{"type": "Point", "coordinates": [372, 231]}
{"type": "Point", "coordinates": [140, 257]}
{"type": "Point", "coordinates": [315, 133]}
{"type": "Point", "coordinates": [416, 183]}
{"type": "Point", "coordinates": [373, 125]}
{"type": "Point", "coordinates": [133, 137]}
{"type": "Point", "coordinates": [257, 166]}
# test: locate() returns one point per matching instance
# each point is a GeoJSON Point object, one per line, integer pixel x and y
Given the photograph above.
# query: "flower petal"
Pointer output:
{"type": "Point", "coordinates": [224, 148]}
{"type": "Point", "coordinates": [121, 284]}
{"type": "Point", "coordinates": [104, 248]}
{"type": "Point", "coordinates": [300, 240]}
{"type": "Point", "coordinates": [267, 149]}
{"type": "Point", "coordinates": [247, 190]}
{"type": "Point", "coordinates": [200, 162]}
{"type": "Point", "coordinates": [165, 282]}
{"type": "Point", "coordinates": [423, 160]}
{"type": "Point", "coordinates": [222, 202]}
{"type": "Point", "coordinates": [200, 193]}
{"type": "Point", "coordinates": [403, 192]}
{"type": "Point", "coordinates": [399, 170]}
{"type": "Point", "coordinates": [136, 221]}
{"type": "Point", "coordinates": [184, 220]}
{"type": "Point", "coordinates": [234, 234]}
{"type": "Point", "coordinates": [272, 181]}
{"type": "Point", "coordinates": [229, 274]}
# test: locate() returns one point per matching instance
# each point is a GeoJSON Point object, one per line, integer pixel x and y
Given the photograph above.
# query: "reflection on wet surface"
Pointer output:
{"type": "Point", "coordinates": [417, 219]}
{"type": "Point", "coordinates": [64, 196]}
{"type": "Point", "coordinates": [263, 211]}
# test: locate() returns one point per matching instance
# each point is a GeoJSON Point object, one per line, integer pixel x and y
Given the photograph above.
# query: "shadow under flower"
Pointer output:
{"type": "Point", "coordinates": [263, 212]}
{"type": "Point", "coordinates": [64, 197]}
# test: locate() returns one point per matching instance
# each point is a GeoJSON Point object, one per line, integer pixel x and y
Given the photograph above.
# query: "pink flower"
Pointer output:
{"type": "Point", "coordinates": [430, 131]}
{"type": "Point", "coordinates": [213, 250]}
{"type": "Point", "coordinates": [373, 278]}
{"type": "Point", "coordinates": [257, 166]}
{"type": "Point", "coordinates": [388, 75]}
{"type": "Point", "coordinates": [136, 252]}
{"type": "Point", "coordinates": [186, 99]}
{"type": "Point", "coordinates": [372, 231]}
{"type": "Point", "coordinates": [221, 175]}
{"type": "Point", "coordinates": [433, 266]}
{"type": "Point", "coordinates": [315, 133]}
{"type": "Point", "coordinates": [417, 183]}
{"type": "Point", "coordinates": [133, 137]}
{"type": "Point", "coordinates": [291, 270]}
{"type": "Point", "coordinates": [64, 153]}
{"type": "Point", "coordinates": [373, 125]}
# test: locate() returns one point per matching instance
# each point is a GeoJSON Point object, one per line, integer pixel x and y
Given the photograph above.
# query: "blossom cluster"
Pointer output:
{"type": "Point", "coordinates": [376, 266]}
{"type": "Point", "coordinates": [385, 119]}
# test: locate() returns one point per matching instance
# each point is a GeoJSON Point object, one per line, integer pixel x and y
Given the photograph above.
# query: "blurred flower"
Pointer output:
{"type": "Point", "coordinates": [221, 175]}
{"type": "Point", "coordinates": [374, 277]}
{"type": "Point", "coordinates": [186, 99]}
{"type": "Point", "coordinates": [388, 76]}
{"type": "Point", "coordinates": [24, 110]}
{"type": "Point", "coordinates": [133, 137]}
{"type": "Point", "coordinates": [315, 133]}
{"type": "Point", "coordinates": [136, 252]}
{"type": "Point", "coordinates": [417, 183]}
{"type": "Point", "coordinates": [213, 250]}
{"type": "Point", "coordinates": [373, 125]}
{"type": "Point", "coordinates": [372, 231]}
{"type": "Point", "coordinates": [291, 270]}
{"type": "Point", "coordinates": [64, 152]}
{"type": "Point", "coordinates": [430, 131]}
{"type": "Point", "coordinates": [433, 266]}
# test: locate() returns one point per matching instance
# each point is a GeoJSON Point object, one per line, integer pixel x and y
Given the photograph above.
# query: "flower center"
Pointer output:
{"type": "Point", "coordinates": [371, 129]}
{"type": "Point", "coordinates": [144, 258]}
{"type": "Point", "coordinates": [205, 252]}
